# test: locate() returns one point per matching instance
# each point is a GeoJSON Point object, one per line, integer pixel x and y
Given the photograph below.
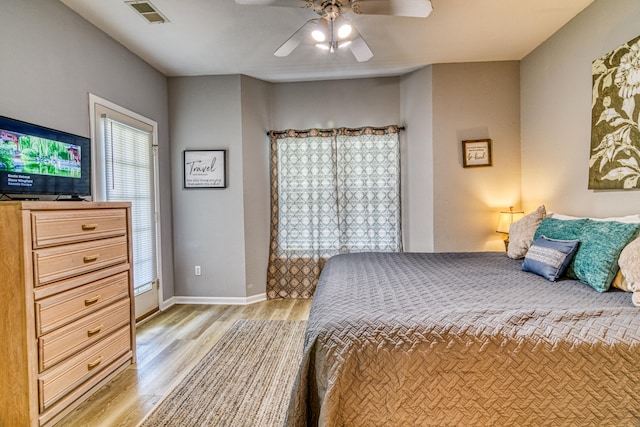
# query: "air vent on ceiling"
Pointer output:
{"type": "Point", "coordinates": [148, 11]}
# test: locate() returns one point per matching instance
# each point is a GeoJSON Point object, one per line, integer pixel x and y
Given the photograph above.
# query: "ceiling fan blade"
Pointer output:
{"type": "Point", "coordinates": [296, 38]}
{"type": "Point", "coordinates": [412, 8]}
{"type": "Point", "coordinates": [360, 49]}
{"type": "Point", "coordinates": [284, 3]}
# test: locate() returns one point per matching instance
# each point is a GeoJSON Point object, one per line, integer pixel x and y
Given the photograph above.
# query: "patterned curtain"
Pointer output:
{"type": "Point", "coordinates": [332, 191]}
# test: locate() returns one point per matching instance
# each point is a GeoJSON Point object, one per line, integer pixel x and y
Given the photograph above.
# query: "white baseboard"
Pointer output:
{"type": "Point", "coordinates": [256, 298]}
{"type": "Point", "coordinates": [213, 300]}
{"type": "Point", "coordinates": [166, 304]}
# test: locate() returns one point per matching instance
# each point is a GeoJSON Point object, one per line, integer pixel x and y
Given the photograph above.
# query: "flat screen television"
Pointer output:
{"type": "Point", "coordinates": [36, 160]}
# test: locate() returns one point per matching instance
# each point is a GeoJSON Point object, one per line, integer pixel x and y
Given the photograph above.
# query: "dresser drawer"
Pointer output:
{"type": "Point", "coordinates": [60, 380]}
{"type": "Point", "coordinates": [63, 308]}
{"type": "Point", "coordinates": [66, 341]}
{"type": "Point", "coordinates": [58, 263]}
{"type": "Point", "coordinates": [51, 228]}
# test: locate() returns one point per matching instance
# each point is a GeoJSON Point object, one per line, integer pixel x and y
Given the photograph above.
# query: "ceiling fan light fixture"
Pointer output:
{"type": "Point", "coordinates": [332, 31]}
{"type": "Point", "coordinates": [318, 35]}
{"type": "Point", "coordinates": [344, 31]}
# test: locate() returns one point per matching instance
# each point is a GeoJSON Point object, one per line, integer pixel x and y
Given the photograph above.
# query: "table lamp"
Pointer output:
{"type": "Point", "coordinates": [505, 221]}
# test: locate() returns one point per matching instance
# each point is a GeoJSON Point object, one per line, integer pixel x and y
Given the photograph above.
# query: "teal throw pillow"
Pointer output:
{"type": "Point", "coordinates": [596, 262]}
{"type": "Point", "coordinates": [560, 229]}
{"type": "Point", "coordinates": [549, 257]}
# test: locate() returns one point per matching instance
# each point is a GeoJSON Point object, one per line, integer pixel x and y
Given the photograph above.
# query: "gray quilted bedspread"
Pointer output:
{"type": "Point", "coordinates": [464, 339]}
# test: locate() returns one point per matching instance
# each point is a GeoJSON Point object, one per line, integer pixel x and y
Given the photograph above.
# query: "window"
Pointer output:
{"type": "Point", "coordinates": [307, 194]}
{"type": "Point", "coordinates": [333, 191]}
{"type": "Point", "coordinates": [128, 160]}
{"type": "Point", "coordinates": [369, 192]}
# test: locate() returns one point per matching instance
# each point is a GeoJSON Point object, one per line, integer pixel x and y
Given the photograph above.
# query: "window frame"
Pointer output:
{"type": "Point", "coordinates": [98, 106]}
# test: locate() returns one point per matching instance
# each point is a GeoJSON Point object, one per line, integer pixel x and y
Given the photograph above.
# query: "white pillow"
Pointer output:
{"type": "Point", "coordinates": [629, 262]}
{"type": "Point", "coordinates": [629, 219]}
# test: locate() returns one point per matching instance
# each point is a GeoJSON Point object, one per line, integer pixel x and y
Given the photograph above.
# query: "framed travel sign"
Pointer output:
{"type": "Point", "coordinates": [205, 169]}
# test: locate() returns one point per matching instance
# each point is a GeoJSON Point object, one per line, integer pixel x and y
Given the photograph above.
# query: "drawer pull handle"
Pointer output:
{"type": "Point", "coordinates": [90, 258]}
{"type": "Point", "coordinates": [94, 363]}
{"type": "Point", "coordinates": [89, 227]}
{"type": "Point", "coordinates": [92, 300]}
{"type": "Point", "coordinates": [94, 331]}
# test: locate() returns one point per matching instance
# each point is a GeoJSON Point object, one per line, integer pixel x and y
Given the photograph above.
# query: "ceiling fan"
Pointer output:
{"type": "Point", "coordinates": [332, 30]}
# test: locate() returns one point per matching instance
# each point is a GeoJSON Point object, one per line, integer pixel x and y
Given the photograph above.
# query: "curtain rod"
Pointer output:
{"type": "Point", "coordinates": [282, 132]}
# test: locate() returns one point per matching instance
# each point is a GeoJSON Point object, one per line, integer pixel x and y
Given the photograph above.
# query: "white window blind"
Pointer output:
{"type": "Point", "coordinates": [129, 177]}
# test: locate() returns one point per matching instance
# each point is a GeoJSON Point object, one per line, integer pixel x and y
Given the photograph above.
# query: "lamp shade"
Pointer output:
{"type": "Point", "coordinates": [506, 218]}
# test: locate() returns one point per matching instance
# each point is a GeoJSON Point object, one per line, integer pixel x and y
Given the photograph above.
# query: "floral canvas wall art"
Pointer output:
{"type": "Point", "coordinates": [615, 131]}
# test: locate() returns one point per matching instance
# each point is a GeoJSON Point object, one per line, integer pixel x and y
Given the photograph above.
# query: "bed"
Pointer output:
{"type": "Point", "coordinates": [419, 339]}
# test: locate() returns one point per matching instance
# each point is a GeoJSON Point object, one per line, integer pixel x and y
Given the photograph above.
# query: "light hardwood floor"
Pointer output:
{"type": "Point", "coordinates": [169, 345]}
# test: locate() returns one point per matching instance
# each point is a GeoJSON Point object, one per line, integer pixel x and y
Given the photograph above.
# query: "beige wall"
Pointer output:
{"type": "Point", "coordinates": [556, 112]}
{"type": "Point", "coordinates": [474, 101]}
{"type": "Point", "coordinates": [448, 207]}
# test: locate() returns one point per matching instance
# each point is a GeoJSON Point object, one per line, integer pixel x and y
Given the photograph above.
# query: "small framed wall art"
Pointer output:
{"type": "Point", "coordinates": [205, 169]}
{"type": "Point", "coordinates": [476, 152]}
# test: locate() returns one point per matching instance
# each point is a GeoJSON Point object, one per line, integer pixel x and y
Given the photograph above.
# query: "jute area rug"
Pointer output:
{"type": "Point", "coordinates": [244, 380]}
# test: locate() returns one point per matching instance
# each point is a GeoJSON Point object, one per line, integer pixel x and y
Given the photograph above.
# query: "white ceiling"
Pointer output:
{"type": "Point", "coordinates": [210, 37]}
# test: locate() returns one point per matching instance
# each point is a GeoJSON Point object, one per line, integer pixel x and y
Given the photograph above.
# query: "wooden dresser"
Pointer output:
{"type": "Point", "coordinates": [67, 321]}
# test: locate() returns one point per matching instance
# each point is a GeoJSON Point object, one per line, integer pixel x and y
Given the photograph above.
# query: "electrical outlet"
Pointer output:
{"type": "Point", "coordinates": [198, 271]}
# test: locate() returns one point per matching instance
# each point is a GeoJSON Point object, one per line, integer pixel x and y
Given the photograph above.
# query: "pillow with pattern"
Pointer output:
{"type": "Point", "coordinates": [549, 258]}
